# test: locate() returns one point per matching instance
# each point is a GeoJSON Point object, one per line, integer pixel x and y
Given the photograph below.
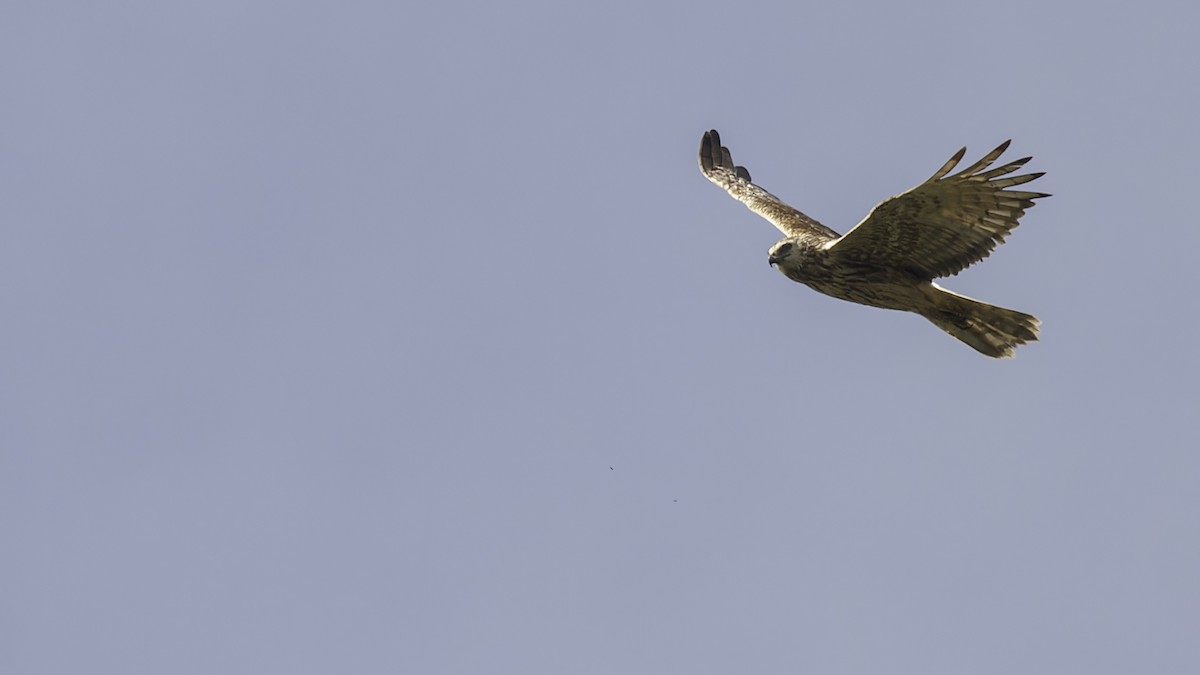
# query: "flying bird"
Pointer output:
{"type": "Point", "coordinates": [891, 258]}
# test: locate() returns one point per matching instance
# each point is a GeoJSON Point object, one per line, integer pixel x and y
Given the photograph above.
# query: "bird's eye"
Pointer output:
{"type": "Point", "coordinates": [784, 250]}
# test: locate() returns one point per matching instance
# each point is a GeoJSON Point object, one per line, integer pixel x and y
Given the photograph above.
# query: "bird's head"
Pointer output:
{"type": "Point", "coordinates": [783, 251]}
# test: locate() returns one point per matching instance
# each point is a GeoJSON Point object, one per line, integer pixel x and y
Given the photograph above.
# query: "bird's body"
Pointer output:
{"type": "Point", "coordinates": [890, 259]}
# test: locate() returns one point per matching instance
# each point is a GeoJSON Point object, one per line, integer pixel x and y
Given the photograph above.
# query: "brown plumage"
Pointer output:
{"type": "Point", "coordinates": [891, 258]}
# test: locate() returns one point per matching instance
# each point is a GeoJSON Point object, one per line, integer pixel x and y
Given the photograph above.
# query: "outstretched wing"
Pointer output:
{"type": "Point", "coordinates": [944, 224]}
{"type": "Point", "coordinates": [717, 165]}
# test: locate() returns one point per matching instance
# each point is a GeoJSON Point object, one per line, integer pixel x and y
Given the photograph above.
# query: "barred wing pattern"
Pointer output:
{"type": "Point", "coordinates": [717, 165]}
{"type": "Point", "coordinates": [944, 224]}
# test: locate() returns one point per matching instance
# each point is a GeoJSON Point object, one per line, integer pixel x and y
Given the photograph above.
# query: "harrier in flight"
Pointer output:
{"type": "Point", "coordinates": [891, 258]}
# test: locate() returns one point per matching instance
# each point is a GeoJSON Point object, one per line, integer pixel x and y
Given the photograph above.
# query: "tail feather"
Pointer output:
{"type": "Point", "coordinates": [990, 330]}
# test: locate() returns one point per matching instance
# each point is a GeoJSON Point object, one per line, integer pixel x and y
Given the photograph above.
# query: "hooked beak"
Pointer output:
{"type": "Point", "coordinates": [772, 260]}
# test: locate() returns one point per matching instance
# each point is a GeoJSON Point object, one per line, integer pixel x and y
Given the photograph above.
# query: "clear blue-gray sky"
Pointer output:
{"type": "Point", "coordinates": [366, 337]}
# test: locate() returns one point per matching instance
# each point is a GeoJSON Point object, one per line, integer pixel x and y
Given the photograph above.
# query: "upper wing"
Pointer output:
{"type": "Point", "coordinates": [944, 224]}
{"type": "Point", "coordinates": [717, 165]}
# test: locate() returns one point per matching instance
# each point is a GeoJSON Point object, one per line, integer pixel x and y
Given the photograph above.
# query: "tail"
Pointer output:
{"type": "Point", "coordinates": [989, 330]}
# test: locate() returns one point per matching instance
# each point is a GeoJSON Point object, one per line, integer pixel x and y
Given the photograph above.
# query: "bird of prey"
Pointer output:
{"type": "Point", "coordinates": [891, 258]}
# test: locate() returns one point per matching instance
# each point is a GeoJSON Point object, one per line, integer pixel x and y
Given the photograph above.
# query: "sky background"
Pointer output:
{"type": "Point", "coordinates": [376, 337]}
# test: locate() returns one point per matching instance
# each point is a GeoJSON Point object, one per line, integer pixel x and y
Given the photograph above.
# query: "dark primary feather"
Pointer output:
{"type": "Point", "coordinates": [944, 224]}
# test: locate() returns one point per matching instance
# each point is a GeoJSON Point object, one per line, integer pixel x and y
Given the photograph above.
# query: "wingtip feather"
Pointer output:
{"type": "Point", "coordinates": [949, 165]}
{"type": "Point", "coordinates": [706, 150]}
